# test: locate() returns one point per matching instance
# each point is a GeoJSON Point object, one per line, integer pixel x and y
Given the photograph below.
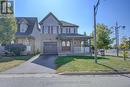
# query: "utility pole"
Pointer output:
{"type": "Point", "coordinates": [95, 45]}
{"type": "Point", "coordinates": [116, 27]}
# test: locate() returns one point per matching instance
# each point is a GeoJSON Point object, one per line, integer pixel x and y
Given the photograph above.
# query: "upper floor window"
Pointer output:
{"type": "Point", "coordinates": [23, 27]}
{"type": "Point", "coordinates": [55, 30]}
{"type": "Point", "coordinates": [46, 29]}
{"type": "Point", "coordinates": [64, 30]}
{"type": "Point", "coordinates": [58, 30]}
{"type": "Point", "coordinates": [67, 30]}
{"type": "Point", "coordinates": [75, 30]}
{"type": "Point", "coordinates": [72, 30]}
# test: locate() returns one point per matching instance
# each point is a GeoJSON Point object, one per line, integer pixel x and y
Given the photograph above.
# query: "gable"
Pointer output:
{"type": "Point", "coordinates": [50, 20]}
{"type": "Point", "coordinates": [31, 21]}
{"type": "Point", "coordinates": [23, 20]}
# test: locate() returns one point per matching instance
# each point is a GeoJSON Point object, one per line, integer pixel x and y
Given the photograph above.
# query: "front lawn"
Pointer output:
{"type": "Point", "coordinates": [10, 62]}
{"type": "Point", "coordinates": [86, 64]}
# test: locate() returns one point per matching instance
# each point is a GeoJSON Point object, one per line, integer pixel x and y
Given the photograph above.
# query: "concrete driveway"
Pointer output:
{"type": "Point", "coordinates": [36, 65]}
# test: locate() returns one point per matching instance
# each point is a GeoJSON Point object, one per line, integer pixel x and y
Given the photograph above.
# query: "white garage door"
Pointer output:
{"type": "Point", "coordinates": [50, 47]}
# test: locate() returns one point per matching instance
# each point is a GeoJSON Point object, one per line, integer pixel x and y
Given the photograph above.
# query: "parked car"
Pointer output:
{"type": "Point", "coordinates": [102, 52]}
{"type": "Point", "coordinates": [6, 53]}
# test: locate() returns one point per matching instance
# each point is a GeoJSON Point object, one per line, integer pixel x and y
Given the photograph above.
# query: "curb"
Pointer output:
{"type": "Point", "coordinates": [94, 73]}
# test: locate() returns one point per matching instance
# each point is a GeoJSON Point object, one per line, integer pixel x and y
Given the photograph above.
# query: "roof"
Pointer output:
{"type": "Point", "coordinates": [73, 35]}
{"type": "Point", "coordinates": [62, 23]}
{"type": "Point", "coordinates": [30, 22]}
{"type": "Point", "coordinates": [67, 24]}
{"type": "Point", "coordinates": [47, 17]}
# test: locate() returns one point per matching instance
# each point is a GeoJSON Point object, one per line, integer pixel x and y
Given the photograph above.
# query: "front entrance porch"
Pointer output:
{"type": "Point", "coordinates": [74, 44]}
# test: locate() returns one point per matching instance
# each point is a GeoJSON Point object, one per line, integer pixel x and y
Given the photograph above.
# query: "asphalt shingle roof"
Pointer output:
{"type": "Point", "coordinates": [64, 23]}
{"type": "Point", "coordinates": [30, 22]}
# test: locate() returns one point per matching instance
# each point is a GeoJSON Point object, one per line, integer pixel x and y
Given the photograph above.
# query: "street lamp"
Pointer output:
{"type": "Point", "coordinates": [95, 45]}
{"type": "Point", "coordinates": [116, 27]}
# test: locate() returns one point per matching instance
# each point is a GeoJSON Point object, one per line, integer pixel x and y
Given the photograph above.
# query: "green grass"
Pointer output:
{"type": "Point", "coordinates": [87, 64]}
{"type": "Point", "coordinates": [10, 62]}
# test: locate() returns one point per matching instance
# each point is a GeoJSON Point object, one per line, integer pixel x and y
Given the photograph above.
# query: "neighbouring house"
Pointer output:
{"type": "Point", "coordinates": [28, 33]}
{"type": "Point", "coordinates": [51, 36]}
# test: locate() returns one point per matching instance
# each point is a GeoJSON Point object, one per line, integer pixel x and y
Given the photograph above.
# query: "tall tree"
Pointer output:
{"type": "Point", "coordinates": [103, 36]}
{"type": "Point", "coordinates": [7, 28]}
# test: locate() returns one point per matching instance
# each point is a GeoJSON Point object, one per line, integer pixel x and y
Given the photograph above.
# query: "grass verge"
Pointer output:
{"type": "Point", "coordinates": [10, 62]}
{"type": "Point", "coordinates": [86, 64]}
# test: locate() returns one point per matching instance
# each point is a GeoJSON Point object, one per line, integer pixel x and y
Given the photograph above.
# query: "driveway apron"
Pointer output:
{"type": "Point", "coordinates": [36, 65]}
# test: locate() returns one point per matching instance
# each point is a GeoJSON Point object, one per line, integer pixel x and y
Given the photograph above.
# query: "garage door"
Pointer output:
{"type": "Point", "coordinates": [50, 48]}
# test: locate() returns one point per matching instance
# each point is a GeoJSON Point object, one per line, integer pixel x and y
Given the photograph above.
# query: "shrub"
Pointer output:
{"type": "Point", "coordinates": [125, 54]}
{"type": "Point", "coordinates": [15, 48]}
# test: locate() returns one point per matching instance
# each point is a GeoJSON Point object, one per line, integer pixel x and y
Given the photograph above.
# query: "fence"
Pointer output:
{"type": "Point", "coordinates": [113, 52]}
{"type": "Point", "coordinates": [81, 49]}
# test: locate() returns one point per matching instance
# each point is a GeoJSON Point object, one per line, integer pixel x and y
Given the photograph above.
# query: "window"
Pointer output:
{"type": "Point", "coordinates": [58, 30]}
{"type": "Point", "coordinates": [26, 42]}
{"type": "Point", "coordinates": [67, 30]}
{"type": "Point", "coordinates": [82, 43]}
{"type": "Point", "coordinates": [46, 30]}
{"type": "Point", "coordinates": [72, 30]}
{"type": "Point", "coordinates": [28, 48]}
{"type": "Point", "coordinates": [63, 43]}
{"type": "Point", "coordinates": [51, 30]}
{"type": "Point", "coordinates": [55, 30]}
{"type": "Point", "coordinates": [68, 43]}
{"type": "Point", "coordinates": [23, 27]}
{"type": "Point", "coordinates": [75, 30]}
{"type": "Point", "coordinates": [64, 30]}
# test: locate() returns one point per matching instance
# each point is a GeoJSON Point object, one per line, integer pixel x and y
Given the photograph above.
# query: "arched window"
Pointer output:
{"type": "Point", "coordinates": [82, 43]}
{"type": "Point", "coordinates": [68, 43]}
{"type": "Point", "coordinates": [23, 27]}
{"type": "Point", "coordinates": [63, 43]}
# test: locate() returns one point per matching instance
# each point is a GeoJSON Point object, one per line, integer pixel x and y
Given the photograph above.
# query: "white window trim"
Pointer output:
{"type": "Point", "coordinates": [63, 43]}
{"type": "Point", "coordinates": [23, 27]}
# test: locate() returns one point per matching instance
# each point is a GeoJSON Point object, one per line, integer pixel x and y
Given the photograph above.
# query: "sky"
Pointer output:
{"type": "Point", "coordinates": [79, 12]}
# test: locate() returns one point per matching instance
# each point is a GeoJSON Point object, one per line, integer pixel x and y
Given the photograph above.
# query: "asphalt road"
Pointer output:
{"type": "Point", "coordinates": [64, 81]}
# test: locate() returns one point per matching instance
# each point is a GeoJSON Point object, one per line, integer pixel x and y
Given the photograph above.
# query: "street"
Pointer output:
{"type": "Point", "coordinates": [52, 80]}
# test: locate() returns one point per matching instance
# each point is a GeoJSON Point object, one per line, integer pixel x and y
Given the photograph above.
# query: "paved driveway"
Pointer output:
{"type": "Point", "coordinates": [36, 65]}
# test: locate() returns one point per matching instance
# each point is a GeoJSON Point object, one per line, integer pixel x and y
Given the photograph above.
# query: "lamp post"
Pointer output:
{"type": "Point", "coordinates": [117, 27]}
{"type": "Point", "coordinates": [95, 45]}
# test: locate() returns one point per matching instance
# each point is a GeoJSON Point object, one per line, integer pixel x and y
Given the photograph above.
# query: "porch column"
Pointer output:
{"type": "Point", "coordinates": [72, 45]}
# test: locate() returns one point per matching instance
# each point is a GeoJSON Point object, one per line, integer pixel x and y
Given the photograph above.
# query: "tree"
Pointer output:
{"type": "Point", "coordinates": [7, 28]}
{"type": "Point", "coordinates": [124, 46]}
{"type": "Point", "coordinates": [103, 37]}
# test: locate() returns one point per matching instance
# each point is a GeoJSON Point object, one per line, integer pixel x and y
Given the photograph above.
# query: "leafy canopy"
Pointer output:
{"type": "Point", "coordinates": [103, 37]}
{"type": "Point", "coordinates": [7, 27]}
